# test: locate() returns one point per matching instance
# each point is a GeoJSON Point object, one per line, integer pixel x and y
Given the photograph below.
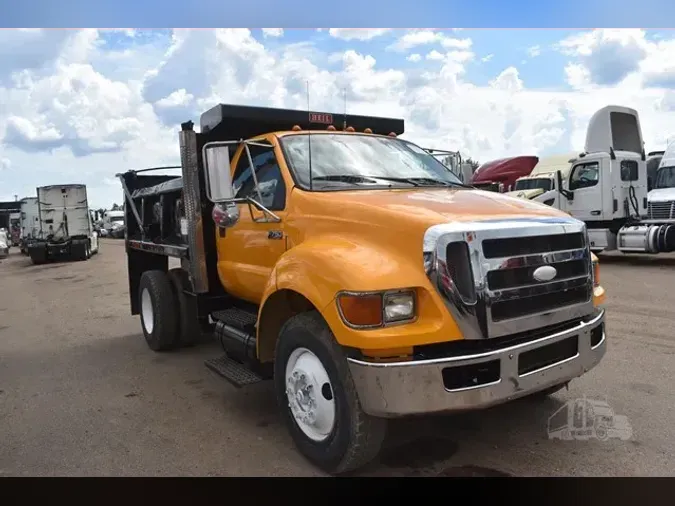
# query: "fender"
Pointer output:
{"type": "Point", "coordinates": [316, 270]}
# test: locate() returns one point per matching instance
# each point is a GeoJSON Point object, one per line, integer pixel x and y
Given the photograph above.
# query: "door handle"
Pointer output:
{"type": "Point", "coordinates": [595, 213]}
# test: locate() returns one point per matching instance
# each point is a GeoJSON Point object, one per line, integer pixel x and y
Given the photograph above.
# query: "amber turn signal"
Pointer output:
{"type": "Point", "coordinates": [361, 310]}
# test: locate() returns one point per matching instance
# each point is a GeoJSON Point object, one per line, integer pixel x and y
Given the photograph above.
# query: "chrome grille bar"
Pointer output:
{"type": "Point", "coordinates": [506, 297]}
{"type": "Point", "coordinates": [661, 210]}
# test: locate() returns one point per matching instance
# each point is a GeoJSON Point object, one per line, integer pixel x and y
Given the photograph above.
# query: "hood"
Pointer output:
{"type": "Point", "coordinates": [526, 194]}
{"type": "Point", "coordinates": [661, 195]}
{"type": "Point", "coordinates": [410, 212]}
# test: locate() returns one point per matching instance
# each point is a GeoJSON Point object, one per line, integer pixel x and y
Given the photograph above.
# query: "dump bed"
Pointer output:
{"type": "Point", "coordinates": [64, 212]}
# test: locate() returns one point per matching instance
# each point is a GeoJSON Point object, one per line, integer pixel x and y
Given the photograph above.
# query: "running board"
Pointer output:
{"type": "Point", "coordinates": [234, 372]}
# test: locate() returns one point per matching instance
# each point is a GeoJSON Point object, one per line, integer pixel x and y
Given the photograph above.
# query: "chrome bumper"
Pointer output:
{"type": "Point", "coordinates": [418, 387]}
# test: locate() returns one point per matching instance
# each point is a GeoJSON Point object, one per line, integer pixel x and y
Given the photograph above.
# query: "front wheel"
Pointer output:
{"type": "Point", "coordinates": [318, 399]}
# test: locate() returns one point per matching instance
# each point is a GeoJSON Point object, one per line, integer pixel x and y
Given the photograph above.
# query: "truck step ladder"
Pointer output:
{"type": "Point", "coordinates": [234, 372]}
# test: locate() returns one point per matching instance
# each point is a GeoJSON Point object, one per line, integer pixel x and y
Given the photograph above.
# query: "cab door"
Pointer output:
{"type": "Point", "coordinates": [248, 251]}
{"type": "Point", "coordinates": [584, 184]}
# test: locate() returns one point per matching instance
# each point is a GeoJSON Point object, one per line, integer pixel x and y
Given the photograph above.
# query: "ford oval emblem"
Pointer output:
{"type": "Point", "coordinates": [545, 273]}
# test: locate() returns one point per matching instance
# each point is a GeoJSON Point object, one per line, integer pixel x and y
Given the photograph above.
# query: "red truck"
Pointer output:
{"type": "Point", "coordinates": [500, 175]}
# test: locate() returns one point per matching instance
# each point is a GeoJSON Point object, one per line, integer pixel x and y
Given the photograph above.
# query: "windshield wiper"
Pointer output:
{"type": "Point", "coordinates": [432, 181]}
{"type": "Point", "coordinates": [345, 178]}
{"type": "Point", "coordinates": [355, 179]}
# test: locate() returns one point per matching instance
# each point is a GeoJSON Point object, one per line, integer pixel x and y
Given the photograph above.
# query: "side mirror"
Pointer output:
{"type": "Point", "coordinates": [225, 215]}
{"type": "Point", "coordinates": [565, 193]}
{"type": "Point", "coordinates": [216, 157]}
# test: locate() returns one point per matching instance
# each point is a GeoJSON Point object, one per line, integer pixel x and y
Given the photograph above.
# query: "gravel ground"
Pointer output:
{"type": "Point", "coordinates": [82, 395]}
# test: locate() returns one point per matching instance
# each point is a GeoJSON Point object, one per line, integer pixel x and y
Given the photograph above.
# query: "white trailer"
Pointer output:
{"type": "Point", "coordinates": [30, 222]}
{"type": "Point", "coordinates": [66, 228]}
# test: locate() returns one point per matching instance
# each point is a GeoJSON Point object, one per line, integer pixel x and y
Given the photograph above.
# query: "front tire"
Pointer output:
{"type": "Point", "coordinates": [318, 399]}
{"type": "Point", "coordinates": [159, 314]}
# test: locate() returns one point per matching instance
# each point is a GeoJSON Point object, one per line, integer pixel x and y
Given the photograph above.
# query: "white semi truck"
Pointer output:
{"type": "Point", "coordinates": [66, 228]}
{"type": "Point", "coordinates": [661, 199]}
{"type": "Point", "coordinates": [606, 187]}
{"type": "Point", "coordinates": [30, 222]}
{"type": "Point", "coordinates": [113, 223]}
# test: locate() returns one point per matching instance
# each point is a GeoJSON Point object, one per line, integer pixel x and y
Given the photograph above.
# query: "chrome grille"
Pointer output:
{"type": "Point", "coordinates": [502, 256]}
{"type": "Point", "coordinates": [661, 210]}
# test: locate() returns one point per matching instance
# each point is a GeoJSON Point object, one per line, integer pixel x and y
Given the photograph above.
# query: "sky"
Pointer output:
{"type": "Point", "coordinates": [80, 105]}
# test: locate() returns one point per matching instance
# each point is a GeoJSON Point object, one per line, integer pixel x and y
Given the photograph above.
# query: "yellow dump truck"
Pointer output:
{"type": "Point", "coordinates": [354, 270]}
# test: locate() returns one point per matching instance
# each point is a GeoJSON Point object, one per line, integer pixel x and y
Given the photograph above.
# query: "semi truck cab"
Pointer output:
{"type": "Point", "coordinates": [606, 187]}
{"type": "Point", "coordinates": [358, 274]}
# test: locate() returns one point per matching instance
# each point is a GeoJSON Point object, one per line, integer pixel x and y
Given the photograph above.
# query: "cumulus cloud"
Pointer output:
{"type": "Point", "coordinates": [534, 51]}
{"type": "Point", "coordinates": [272, 32]}
{"type": "Point", "coordinates": [608, 56]}
{"type": "Point", "coordinates": [415, 38]}
{"type": "Point", "coordinates": [75, 107]}
{"type": "Point", "coordinates": [357, 33]}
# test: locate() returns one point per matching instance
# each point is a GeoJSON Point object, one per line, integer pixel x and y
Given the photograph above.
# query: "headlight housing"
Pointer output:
{"type": "Point", "coordinates": [365, 310]}
{"type": "Point", "coordinates": [596, 271]}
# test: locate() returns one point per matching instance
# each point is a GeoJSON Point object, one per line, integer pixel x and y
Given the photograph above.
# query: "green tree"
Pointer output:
{"type": "Point", "coordinates": [474, 163]}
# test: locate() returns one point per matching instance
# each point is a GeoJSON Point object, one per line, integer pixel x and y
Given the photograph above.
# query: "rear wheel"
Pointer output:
{"type": "Point", "coordinates": [159, 315]}
{"type": "Point", "coordinates": [318, 399]}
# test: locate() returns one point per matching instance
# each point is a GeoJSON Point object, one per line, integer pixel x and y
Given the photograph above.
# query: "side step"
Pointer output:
{"type": "Point", "coordinates": [238, 318]}
{"type": "Point", "coordinates": [234, 372]}
{"type": "Point", "coordinates": [235, 331]}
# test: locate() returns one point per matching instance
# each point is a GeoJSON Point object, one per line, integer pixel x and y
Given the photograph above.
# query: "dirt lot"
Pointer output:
{"type": "Point", "coordinates": [81, 394]}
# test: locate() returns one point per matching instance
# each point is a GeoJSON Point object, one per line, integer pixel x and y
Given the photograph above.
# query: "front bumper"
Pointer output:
{"type": "Point", "coordinates": [420, 386]}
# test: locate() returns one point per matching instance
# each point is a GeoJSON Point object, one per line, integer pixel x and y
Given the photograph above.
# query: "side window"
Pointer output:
{"type": "Point", "coordinates": [584, 175]}
{"type": "Point", "coordinates": [270, 181]}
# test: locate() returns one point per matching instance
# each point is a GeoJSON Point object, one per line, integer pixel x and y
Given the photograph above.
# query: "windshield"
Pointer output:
{"type": "Point", "coordinates": [363, 160]}
{"type": "Point", "coordinates": [532, 184]}
{"type": "Point", "coordinates": [665, 177]}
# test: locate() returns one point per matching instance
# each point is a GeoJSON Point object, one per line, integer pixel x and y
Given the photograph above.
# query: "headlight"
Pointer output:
{"type": "Point", "coordinates": [364, 310]}
{"type": "Point", "coordinates": [596, 271]}
{"type": "Point", "coordinates": [399, 306]}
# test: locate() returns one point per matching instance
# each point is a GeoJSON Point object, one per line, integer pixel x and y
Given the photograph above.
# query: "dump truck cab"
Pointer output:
{"type": "Point", "coordinates": [354, 270]}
